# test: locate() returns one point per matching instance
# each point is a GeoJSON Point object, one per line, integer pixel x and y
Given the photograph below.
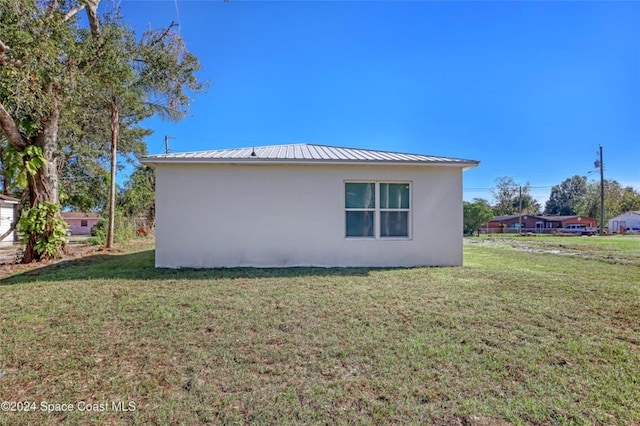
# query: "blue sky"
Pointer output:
{"type": "Point", "coordinates": [530, 89]}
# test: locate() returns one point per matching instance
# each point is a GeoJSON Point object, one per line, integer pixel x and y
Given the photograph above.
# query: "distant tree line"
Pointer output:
{"type": "Point", "coordinates": [574, 196]}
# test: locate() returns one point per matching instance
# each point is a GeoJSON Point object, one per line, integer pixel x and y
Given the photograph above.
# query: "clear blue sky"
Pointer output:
{"type": "Point", "coordinates": [531, 89]}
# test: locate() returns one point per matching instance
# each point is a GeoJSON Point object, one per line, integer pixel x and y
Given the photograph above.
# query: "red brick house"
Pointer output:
{"type": "Point", "coordinates": [537, 223]}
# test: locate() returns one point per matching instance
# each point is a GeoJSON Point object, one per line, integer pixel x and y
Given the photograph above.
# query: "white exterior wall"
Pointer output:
{"type": "Point", "coordinates": [630, 220]}
{"type": "Point", "coordinates": [6, 218]}
{"type": "Point", "coordinates": [294, 215]}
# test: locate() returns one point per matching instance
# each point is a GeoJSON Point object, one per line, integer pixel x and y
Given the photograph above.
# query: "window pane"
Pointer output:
{"type": "Point", "coordinates": [359, 224]}
{"type": "Point", "coordinates": [394, 224]}
{"type": "Point", "coordinates": [360, 195]}
{"type": "Point", "coordinates": [394, 195]}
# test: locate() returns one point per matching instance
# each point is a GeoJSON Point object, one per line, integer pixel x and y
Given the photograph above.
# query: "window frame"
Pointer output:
{"type": "Point", "coordinates": [377, 210]}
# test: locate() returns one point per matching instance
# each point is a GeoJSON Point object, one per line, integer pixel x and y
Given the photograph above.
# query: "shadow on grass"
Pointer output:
{"type": "Point", "coordinates": [140, 266]}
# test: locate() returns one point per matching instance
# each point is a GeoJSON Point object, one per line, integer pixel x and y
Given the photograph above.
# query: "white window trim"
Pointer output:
{"type": "Point", "coordinates": [377, 209]}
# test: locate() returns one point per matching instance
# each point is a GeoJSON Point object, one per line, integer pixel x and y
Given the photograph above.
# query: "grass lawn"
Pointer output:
{"type": "Point", "coordinates": [529, 331]}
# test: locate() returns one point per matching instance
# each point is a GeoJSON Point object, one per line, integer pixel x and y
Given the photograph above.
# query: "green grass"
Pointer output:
{"type": "Point", "coordinates": [515, 336]}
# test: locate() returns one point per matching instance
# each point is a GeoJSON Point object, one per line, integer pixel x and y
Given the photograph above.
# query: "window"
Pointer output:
{"type": "Point", "coordinates": [360, 205]}
{"type": "Point", "coordinates": [377, 209]}
{"type": "Point", "coordinates": [83, 223]}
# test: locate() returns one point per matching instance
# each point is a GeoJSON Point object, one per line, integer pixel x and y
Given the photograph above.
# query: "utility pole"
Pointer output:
{"type": "Point", "coordinates": [601, 193]}
{"type": "Point", "coordinates": [166, 143]}
{"type": "Point", "coordinates": [520, 212]}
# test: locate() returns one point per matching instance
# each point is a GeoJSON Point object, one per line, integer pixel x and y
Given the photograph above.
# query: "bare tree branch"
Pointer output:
{"type": "Point", "coordinates": [3, 58]}
{"type": "Point", "coordinates": [91, 7]}
{"type": "Point", "coordinates": [51, 9]}
{"type": "Point", "coordinates": [166, 32]}
{"type": "Point", "coordinates": [92, 15]}
{"type": "Point", "coordinates": [70, 14]}
{"type": "Point", "coordinates": [10, 130]}
{"type": "Point", "coordinates": [3, 48]}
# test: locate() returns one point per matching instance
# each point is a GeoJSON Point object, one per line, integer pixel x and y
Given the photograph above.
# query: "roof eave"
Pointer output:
{"type": "Point", "coordinates": [151, 161]}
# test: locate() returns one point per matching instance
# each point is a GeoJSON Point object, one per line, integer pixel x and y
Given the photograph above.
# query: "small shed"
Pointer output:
{"type": "Point", "coordinates": [80, 223]}
{"type": "Point", "coordinates": [627, 221]}
{"type": "Point", "coordinates": [307, 205]}
{"type": "Point", "coordinates": [8, 216]}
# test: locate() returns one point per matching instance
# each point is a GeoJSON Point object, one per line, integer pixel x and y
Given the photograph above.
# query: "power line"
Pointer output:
{"type": "Point", "coordinates": [178, 16]}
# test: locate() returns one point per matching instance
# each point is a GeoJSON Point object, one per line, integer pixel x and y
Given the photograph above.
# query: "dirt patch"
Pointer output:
{"type": "Point", "coordinates": [10, 258]}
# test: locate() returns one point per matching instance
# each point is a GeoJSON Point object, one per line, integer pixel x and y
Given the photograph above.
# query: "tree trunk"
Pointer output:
{"type": "Point", "coordinates": [43, 186]}
{"type": "Point", "coordinates": [112, 188]}
{"type": "Point", "coordinates": [6, 179]}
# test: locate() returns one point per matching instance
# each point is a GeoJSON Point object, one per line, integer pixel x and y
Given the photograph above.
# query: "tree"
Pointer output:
{"type": "Point", "coordinates": [138, 199]}
{"type": "Point", "coordinates": [59, 79]}
{"type": "Point", "coordinates": [84, 141]}
{"type": "Point", "coordinates": [151, 77]}
{"type": "Point", "coordinates": [617, 200]}
{"type": "Point", "coordinates": [630, 200]}
{"type": "Point", "coordinates": [565, 197]}
{"type": "Point", "coordinates": [508, 197]}
{"type": "Point", "coordinates": [476, 214]}
{"type": "Point", "coordinates": [85, 185]}
{"type": "Point", "coordinates": [42, 64]}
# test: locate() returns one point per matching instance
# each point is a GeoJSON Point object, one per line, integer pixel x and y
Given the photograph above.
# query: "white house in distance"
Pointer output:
{"type": "Point", "coordinates": [629, 221]}
{"type": "Point", "coordinates": [307, 205]}
{"type": "Point", "coordinates": [8, 207]}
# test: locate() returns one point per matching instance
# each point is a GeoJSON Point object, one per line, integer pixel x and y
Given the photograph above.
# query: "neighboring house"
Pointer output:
{"type": "Point", "coordinates": [80, 223]}
{"type": "Point", "coordinates": [307, 205]}
{"type": "Point", "coordinates": [8, 208]}
{"type": "Point", "coordinates": [537, 223]}
{"type": "Point", "coordinates": [628, 221]}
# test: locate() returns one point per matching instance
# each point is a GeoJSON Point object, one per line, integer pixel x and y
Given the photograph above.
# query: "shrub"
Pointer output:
{"type": "Point", "coordinates": [50, 229]}
{"type": "Point", "coordinates": [125, 229]}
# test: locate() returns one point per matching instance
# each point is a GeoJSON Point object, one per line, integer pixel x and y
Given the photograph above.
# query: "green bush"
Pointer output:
{"type": "Point", "coordinates": [51, 230]}
{"type": "Point", "coordinates": [125, 229]}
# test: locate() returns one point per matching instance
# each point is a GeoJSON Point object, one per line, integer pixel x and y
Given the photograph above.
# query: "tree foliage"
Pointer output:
{"type": "Point", "coordinates": [85, 134]}
{"type": "Point", "coordinates": [476, 214]}
{"type": "Point", "coordinates": [139, 80]}
{"type": "Point", "coordinates": [617, 199]}
{"type": "Point", "coordinates": [138, 198]}
{"type": "Point", "coordinates": [565, 197]}
{"type": "Point", "coordinates": [43, 225]}
{"type": "Point", "coordinates": [78, 94]}
{"type": "Point", "coordinates": [44, 62]}
{"type": "Point", "coordinates": [507, 197]}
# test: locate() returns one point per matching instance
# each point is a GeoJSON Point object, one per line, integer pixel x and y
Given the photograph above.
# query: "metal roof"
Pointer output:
{"type": "Point", "coordinates": [80, 215]}
{"type": "Point", "coordinates": [305, 153]}
{"type": "Point", "coordinates": [548, 218]}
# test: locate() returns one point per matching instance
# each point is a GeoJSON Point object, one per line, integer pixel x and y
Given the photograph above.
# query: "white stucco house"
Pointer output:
{"type": "Point", "coordinates": [629, 221]}
{"type": "Point", "coordinates": [307, 205]}
{"type": "Point", "coordinates": [8, 206]}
